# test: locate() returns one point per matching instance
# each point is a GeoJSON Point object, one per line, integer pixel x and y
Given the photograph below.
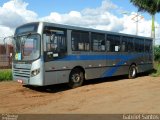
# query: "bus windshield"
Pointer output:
{"type": "Point", "coordinates": [27, 47]}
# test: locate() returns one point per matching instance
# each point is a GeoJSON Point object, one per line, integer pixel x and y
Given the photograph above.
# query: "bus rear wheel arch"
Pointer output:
{"type": "Point", "coordinates": [132, 72]}
{"type": "Point", "coordinates": [76, 77]}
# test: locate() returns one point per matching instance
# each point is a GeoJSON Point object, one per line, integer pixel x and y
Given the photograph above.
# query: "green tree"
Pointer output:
{"type": "Point", "coordinates": [150, 6]}
{"type": "Point", "coordinates": [157, 53]}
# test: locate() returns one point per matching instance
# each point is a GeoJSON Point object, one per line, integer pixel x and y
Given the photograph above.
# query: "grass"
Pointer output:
{"type": "Point", "coordinates": [156, 73]}
{"type": "Point", "coordinates": [5, 75]}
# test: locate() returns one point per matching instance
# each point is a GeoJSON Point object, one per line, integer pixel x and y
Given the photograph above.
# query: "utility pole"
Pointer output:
{"type": "Point", "coordinates": [137, 18]}
{"type": "Point", "coordinates": [157, 36]}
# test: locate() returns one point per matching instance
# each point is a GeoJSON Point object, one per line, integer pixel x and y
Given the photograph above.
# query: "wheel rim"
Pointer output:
{"type": "Point", "coordinates": [133, 72]}
{"type": "Point", "coordinates": [76, 78]}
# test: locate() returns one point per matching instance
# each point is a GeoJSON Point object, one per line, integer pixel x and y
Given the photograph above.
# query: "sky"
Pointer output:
{"type": "Point", "coordinates": [98, 14]}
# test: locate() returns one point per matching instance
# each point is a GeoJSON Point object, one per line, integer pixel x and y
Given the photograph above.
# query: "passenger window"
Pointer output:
{"type": "Point", "coordinates": [130, 45]}
{"type": "Point", "coordinates": [114, 43]}
{"type": "Point", "coordinates": [148, 46]}
{"type": "Point", "coordinates": [127, 44]}
{"type": "Point", "coordinates": [139, 45]}
{"type": "Point", "coordinates": [55, 44]}
{"type": "Point", "coordinates": [80, 41]}
{"type": "Point", "coordinates": [98, 42]}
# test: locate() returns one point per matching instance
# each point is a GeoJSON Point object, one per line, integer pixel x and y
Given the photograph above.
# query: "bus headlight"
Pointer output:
{"type": "Point", "coordinates": [35, 72]}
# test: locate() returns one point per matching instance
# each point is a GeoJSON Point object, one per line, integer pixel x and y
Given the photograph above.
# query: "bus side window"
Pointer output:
{"type": "Point", "coordinates": [130, 45]}
{"type": "Point", "coordinates": [148, 46]}
{"type": "Point", "coordinates": [114, 42]}
{"type": "Point", "coordinates": [55, 44]}
{"type": "Point", "coordinates": [127, 44]}
{"type": "Point", "coordinates": [98, 42]}
{"type": "Point", "coordinates": [139, 45]}
{"type": "Point", "coordinates": [80, 41]}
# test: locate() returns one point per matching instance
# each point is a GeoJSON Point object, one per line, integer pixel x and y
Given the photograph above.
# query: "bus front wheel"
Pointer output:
{"type": "Point", "coordinates": [132, 72]}
{"type": "Point", "coordinates": [76, 78]}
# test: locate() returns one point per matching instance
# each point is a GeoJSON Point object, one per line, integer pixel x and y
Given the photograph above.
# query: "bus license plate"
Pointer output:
{"type": "Point", "coordinates": [20, 81]}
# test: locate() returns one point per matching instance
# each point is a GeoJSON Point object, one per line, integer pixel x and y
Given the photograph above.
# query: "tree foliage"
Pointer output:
{"type": "Point", "coordinates": [150, 6]}
{"type": "Point", "coordinates": [157, 53]}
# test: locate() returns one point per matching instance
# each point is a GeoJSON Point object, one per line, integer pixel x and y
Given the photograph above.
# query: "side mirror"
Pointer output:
{"type": "Point", "coordinates": [8, 41]}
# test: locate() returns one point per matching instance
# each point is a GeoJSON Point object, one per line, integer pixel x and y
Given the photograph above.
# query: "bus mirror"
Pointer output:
{"type": "Point", "coordinates": [8, 40]}
{"type": "Point", "coordinates": [4, 42]}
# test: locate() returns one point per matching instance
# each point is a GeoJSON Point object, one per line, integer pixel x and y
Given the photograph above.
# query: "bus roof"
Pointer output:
{"type": "Point", "coordinates": [85, 29]}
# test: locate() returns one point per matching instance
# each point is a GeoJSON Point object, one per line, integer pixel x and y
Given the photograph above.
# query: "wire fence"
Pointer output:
{"type": "Point", "coordinates": [5, 61]}
{"type": "Point", "coordinates": [6, 52]}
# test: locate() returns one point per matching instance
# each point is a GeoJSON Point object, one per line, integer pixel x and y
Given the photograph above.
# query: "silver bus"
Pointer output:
{"type": "Point", "coordinates": [48, 53]}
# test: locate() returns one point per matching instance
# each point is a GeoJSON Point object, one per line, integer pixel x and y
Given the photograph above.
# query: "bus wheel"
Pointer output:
{"type": "Point", "coordinates": [76, 78]}
{"type": "Point", "coordinates": [132, 72]}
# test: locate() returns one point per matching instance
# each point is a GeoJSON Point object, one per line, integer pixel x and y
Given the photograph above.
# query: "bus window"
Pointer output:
{"type": "Point", "coordinates": [130, 44]}
{"type": "Point", "coordinates": [148, 46]}
{"type": "Point", "coordinates": [114, 42]}
{"type": "Point", "coordinates": [139, 45]}
{"type": "Point", "coordinates": [54, 41]}
{"type": "Point", "coordinates": [127, 44]}
{"type": "Point", "coordinates": [80, 41]}
{"type": "Point", "coordinates": [98, 42]}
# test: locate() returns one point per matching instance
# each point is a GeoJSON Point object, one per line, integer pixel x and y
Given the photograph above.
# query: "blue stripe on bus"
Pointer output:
{"type": "Point", "coordinates": [96, 57]}
{"type": "Point", "coordinates": [110, 72]}
{"type": "Point", "coordinates": [107, 73]}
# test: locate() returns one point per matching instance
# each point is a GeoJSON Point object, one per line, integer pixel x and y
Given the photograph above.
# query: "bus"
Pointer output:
{"type": "Point", "coordinates": [49, 53]}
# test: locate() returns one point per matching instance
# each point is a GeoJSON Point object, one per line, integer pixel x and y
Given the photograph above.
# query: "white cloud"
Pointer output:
{"type": "Point", "coordinates": [99, 18]}
{"type": "Point", "coordinates": [20, 7]}
{"type": "Point", "coordinates": [102, 17]}
{"type": "Point", "coordinates": [143, 26]}
{"type": "Point", "coordinates": [14, 13]}
{"type": "Point", "coordinates": [5, 31]}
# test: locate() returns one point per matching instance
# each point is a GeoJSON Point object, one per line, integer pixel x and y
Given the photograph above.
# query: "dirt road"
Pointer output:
{"type": "Point", "coordinates": [113, 95]}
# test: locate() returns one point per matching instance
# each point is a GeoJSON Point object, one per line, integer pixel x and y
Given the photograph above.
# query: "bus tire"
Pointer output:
{"type": "Point", "coordinates": [76, 78]}
{"type": "Point", "coordinates": [132, 72]}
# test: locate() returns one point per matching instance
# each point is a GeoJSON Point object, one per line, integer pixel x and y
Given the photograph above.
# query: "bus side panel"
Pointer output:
{"type": "Point", "coordinates": [117, 64]}
{"type": "Point", "coordinates": [144, 67]}
{"type": "Point", "coordinates": [50, 75]}
{"type": "Point", "coordinates": [57, 72]}
{"type": "Point", "coordinates": [94, 68]}
{"type": "Point", "coordinates": [56, 77]}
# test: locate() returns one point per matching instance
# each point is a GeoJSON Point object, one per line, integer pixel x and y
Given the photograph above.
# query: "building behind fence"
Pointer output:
{"type": "Point", "coordinates": [6, 52]}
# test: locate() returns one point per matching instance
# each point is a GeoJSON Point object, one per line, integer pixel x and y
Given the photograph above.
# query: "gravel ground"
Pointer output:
{"type": "Point", "coordinates": [100, 96]}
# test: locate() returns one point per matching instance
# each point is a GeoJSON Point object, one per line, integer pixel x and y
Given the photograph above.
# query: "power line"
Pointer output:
{"type": "Point", "coordinates": [136, 18]}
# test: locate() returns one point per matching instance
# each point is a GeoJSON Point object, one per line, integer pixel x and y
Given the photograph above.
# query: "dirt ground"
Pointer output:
{"type": "Point", "coordinates": [109, 95]}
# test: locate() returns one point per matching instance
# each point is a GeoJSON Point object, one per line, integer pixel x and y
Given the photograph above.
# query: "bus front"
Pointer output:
{"type": "Point", "coordinates": [27, 67]}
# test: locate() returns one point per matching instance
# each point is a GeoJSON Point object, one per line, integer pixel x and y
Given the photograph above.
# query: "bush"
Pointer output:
{"type": "Point", "coordinates": [156, 73]}
{"type": "Point", "coordinates": [157, 53]}
{"type": "Point", "coordinates": [5, 75]}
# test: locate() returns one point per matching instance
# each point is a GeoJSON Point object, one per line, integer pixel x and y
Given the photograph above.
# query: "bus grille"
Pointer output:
{"type": "Point", "coordinates": [19, 72]}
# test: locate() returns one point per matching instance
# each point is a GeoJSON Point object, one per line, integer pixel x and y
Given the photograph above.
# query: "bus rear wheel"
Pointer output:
{"type": "Point", "coordinates": [76, 78]}
{"type": "Point", "coordinates": [132, 72]}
